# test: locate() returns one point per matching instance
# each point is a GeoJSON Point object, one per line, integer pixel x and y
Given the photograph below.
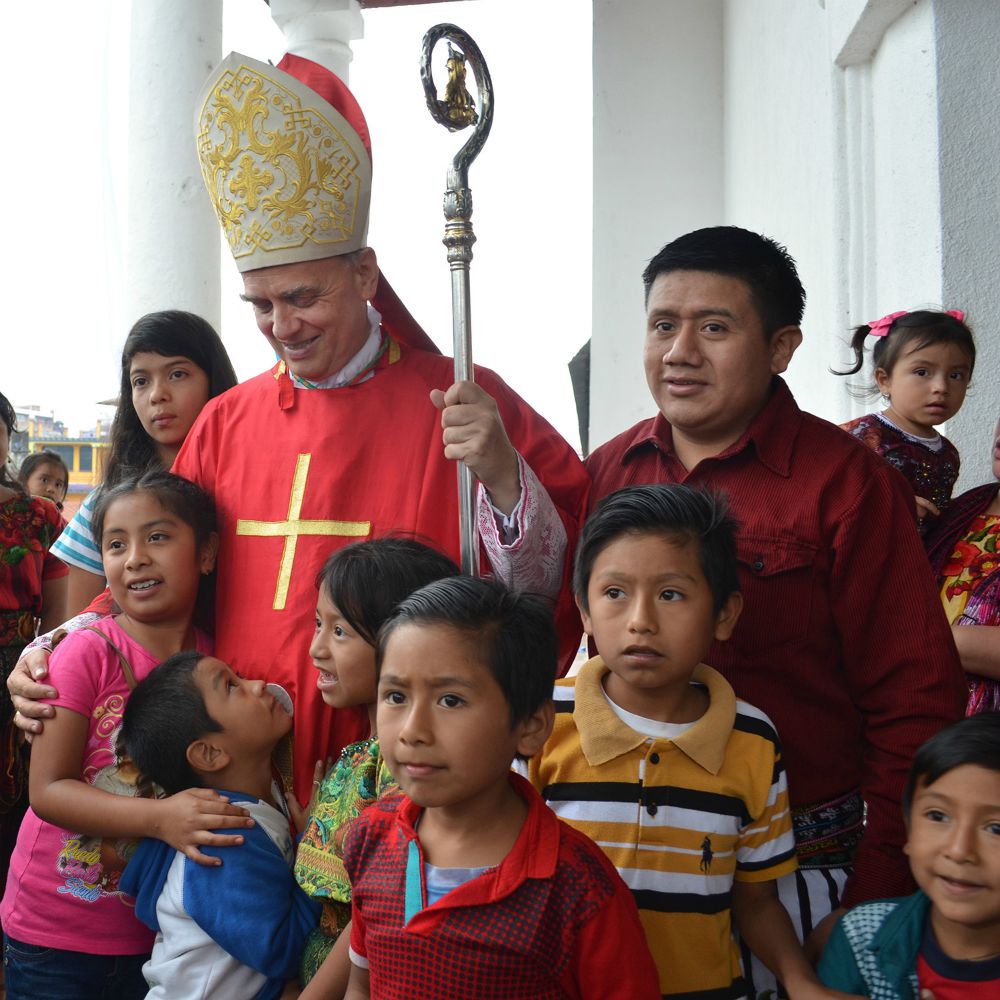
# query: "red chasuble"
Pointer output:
{"type": "Point", "coordinates": [298, 473]}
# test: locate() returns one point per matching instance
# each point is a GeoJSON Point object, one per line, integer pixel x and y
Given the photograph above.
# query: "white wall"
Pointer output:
{"type": "Point", "coordinates": [968, 39]}
{"type": "Point", "coordinates": [658, 74]}
{"type": "Point", "coordinates": [862, 134]}
{"type": "Point", "coordinates": [779, 161]}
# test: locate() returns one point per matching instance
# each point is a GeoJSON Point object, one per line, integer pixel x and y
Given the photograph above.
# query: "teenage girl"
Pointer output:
{"type": "Point", "coordinates": [923, 363]}
{"type": "Point", "coordinates": [44, 474]}
{"type": "Point", "coordinates": [359, 586]}
{"type": "Point", "coordinates": [68, 930]}
{"type": "Point", "coordinates": [172, 363]}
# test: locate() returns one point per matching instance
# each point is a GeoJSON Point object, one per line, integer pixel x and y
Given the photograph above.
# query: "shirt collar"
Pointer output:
{"type": "Point", "coordinates": [772, 432]}
{"type": "Point", "coordinates": [534, 854]}
{"type": "Point", "coordinates": [603, 736]}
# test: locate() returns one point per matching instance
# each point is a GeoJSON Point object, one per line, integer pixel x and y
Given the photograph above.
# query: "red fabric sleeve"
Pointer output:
{"type": "Point", "coordinates": [907, 682]}
{"type": "Point", "coordinates": [611, 960]}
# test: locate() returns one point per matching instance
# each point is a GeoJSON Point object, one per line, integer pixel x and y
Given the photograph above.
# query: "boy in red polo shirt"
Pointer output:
{"type": "Point", "coordinates": [468, 885]}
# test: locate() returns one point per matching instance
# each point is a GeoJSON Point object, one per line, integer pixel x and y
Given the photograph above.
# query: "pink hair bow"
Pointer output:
{"type": "Point", "coordinates": [881, 327]}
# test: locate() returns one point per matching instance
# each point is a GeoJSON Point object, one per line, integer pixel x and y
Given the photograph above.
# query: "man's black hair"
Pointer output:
{"type": "Point", "coordinates": [762, 264]}
{"type": "Point", "coordinates": [674, 511]}
{"type": "Point", "coordinates": [513, 633]}
{"type": "Point", "coordinates": [165, 714]}
{"type": "Point", "coordinates": [975, 740]}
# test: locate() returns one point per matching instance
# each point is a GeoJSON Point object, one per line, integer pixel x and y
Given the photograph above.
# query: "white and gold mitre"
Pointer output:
{"type": "Point", "coordinates": [287, 165]}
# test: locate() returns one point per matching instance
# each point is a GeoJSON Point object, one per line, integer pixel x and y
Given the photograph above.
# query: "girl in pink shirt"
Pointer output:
{"type": "Point", "coordinates": [68, 929]}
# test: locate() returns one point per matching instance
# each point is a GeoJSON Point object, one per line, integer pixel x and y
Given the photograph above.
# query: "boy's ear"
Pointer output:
{"type": "Point", "coordinates": [535, 729]}
{"type": "Point", "coordinates": [208, 554]}
{"type": "Point", "coordinates": [207, 757]}
{"type": "Point", "coordinates": [728, 616]}
{"type": "Point", "coordinates": [584, 616]}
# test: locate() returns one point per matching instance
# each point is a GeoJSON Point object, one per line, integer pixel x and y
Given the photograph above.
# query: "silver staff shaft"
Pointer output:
{"type": "Point", "coordinates": [457, 111]}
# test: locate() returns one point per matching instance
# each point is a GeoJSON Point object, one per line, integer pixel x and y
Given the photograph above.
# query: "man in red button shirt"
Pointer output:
{"type": "Point", "coordinates": [842, 640]}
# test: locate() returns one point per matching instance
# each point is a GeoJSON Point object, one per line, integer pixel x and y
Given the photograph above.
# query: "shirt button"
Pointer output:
{"type": "Point", "coordinates": [651, 809]}
{"type": "Point", "coordinates": [758, 564]}
{"type": "Point", "coordinates": [654, 758]}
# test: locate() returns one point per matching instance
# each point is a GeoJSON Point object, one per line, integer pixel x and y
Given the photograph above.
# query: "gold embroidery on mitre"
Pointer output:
{"type": "Point", "coordinates": [293, 526]}
{"type": "Point", "coordinates": [288, 177]}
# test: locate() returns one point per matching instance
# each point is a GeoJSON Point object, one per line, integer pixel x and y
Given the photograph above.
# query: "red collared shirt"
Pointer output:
{"type": "Point", "coordinates": [553, 920]}
{"type": "Point", "coordinates": [842, 640]}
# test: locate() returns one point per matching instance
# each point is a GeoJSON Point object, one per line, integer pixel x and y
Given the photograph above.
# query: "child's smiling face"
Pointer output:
{"type": "Point", "coordinates": [954, 851]}
{"type": "Point", "coordinates": [152, 559]}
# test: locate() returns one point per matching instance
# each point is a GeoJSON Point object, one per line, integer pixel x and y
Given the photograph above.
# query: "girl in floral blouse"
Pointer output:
{"type": "Point", "coordinates": [32, 588]}
{"type": "Point", "coordinates": [964, 550]}
{"type": "Point", "coordinates": [359, 586]}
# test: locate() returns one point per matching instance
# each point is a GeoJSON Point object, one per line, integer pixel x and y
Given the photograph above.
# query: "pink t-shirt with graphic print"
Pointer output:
{"type": "Point", "coordinates": [62, 889]}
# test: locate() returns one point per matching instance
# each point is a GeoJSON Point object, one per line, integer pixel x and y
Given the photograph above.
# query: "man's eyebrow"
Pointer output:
{"type": "Point", "coordinates": [698, 314]}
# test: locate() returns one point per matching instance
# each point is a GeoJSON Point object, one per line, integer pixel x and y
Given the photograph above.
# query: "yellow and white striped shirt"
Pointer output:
{"type": "Point", "coordinates": [680, 817]}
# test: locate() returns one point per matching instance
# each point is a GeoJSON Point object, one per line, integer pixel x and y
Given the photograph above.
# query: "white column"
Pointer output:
{"type": "Point", "coordinates": [173, 237]}
{"type": "Point", "coordinates": [321, 30]}
{"type": "Point", "coordinates": [969, 140]}
{"type": "Point", "coordinates": [658, 173]}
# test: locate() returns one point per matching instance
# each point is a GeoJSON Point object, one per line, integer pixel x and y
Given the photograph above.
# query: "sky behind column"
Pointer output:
{"type": "Point", "coordinates": [531, 284]}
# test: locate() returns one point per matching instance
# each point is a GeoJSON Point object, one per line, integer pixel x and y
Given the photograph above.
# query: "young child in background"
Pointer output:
{"type": "Point", "coordinates": [359, 586]}
{"type": "Point", "coordinates": [467, 886]}
{"type": "Point", "coordinates": [44, 474]}
{"type": "Point", "coordinates": [923, 363]}
{"type": "Point", "coordinates": [946, 937]}
{"type": "Point", "coordinates": [32, 589]}
{"type": "Point", "coordinates": [193, 723]}
{"type": "Point", "coordinates": [652, 755]}
{"type": "Point", "coordinates": [68, 929]}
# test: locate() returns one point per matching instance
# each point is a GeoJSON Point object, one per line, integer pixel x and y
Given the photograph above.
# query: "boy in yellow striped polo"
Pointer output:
{"type": "Point", "coordinates": [653, 756]}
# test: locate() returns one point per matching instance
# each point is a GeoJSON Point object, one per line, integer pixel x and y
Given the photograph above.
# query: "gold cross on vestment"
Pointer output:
{"type": "Point", "coordinates": [293, 526]}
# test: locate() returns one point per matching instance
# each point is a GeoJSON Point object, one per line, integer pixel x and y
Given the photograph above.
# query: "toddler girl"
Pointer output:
{"type": "Point", "coordinates": [923, 362]}
{"type": "Point", "coordinates": [359, 586]}
{"type": "Point", "coordinates": [44, 474]}
{"type": "Point", "coordinates": [68, 929]}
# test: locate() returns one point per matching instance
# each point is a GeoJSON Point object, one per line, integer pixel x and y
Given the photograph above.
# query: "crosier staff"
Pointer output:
{"type": "Point", "coordinates": [456, 112]}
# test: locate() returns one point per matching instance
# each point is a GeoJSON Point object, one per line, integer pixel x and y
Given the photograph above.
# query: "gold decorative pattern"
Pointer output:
{"type": "Point", "coordinates": [288, 177]}
{"type": "Point", "coordinates": [293, 526]}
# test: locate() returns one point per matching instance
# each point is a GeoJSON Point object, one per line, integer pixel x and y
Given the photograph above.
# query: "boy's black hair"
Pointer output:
{"type": "Point", "coordinates": [975, 740]}
{"type": "Point", "coordinates": [37, 458]}
{"type": "Point", "coordinates": [762, 264]}
{"type": "Point", "coordinates": [513, 633]}
{"type": "Point", "coordinates": [675, 511]}
{"type": "Point", "coordinates": [367, 580]}
{"type": "Point", "coordinates": [164, 715]}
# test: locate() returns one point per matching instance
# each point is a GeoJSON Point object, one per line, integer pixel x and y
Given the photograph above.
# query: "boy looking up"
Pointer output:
{"type": "Point", "coordinates": [235, 930]}
{"type": "Point", "coordinates": [946, 937]}
{"type": "Point", "coordinates": [653, 756]}
{"type": "Point", "coordinates": [466, 885]}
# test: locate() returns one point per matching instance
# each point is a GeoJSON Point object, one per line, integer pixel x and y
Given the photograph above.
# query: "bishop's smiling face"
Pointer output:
{"type": "Point", "coordinates": [315, 313]}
